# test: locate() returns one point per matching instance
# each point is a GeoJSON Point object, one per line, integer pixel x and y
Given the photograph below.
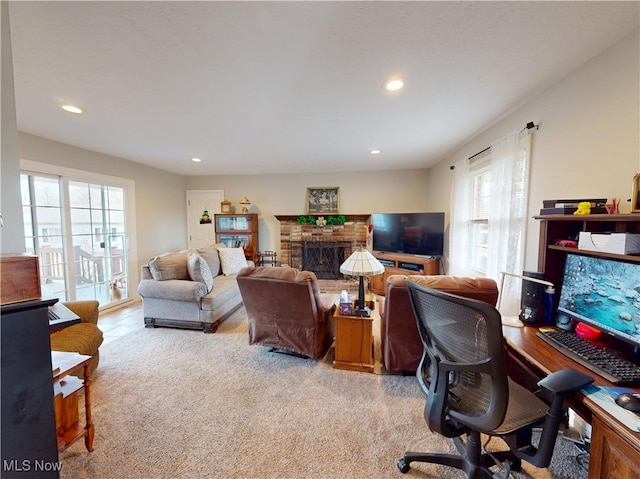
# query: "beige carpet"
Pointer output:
{"type": "Point", "coordinates": [171, 403]}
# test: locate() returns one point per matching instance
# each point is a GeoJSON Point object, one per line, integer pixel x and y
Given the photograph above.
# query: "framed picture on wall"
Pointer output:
{"type": "Point", "coordinates": [635, 199]}
{"type": "Point", "coordinates": [322, 200]}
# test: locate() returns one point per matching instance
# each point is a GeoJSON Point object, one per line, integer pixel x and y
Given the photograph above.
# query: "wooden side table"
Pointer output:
{"type": "Point", "coordinates": [354, 342]}
{"type": "Point", "coordinates": [65, 389]}
{"type": "Point", "coordinates": [267, 258]}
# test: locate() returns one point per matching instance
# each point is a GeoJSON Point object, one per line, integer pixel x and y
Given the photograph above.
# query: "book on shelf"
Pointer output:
{"type": "Point", "coordinates": [597, 202]}
{"type": "Point", "coordinates": [571, 210]}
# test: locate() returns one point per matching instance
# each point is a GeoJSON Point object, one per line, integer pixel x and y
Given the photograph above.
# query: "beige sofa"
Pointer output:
{"type": "Point", "coordinates": [194, 289]}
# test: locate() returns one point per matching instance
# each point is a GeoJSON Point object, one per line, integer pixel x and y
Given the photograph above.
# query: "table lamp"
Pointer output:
{"type": "Point", "coordinates": [244, 202]}
{"type": "Point", "coordinates": [361, 263]}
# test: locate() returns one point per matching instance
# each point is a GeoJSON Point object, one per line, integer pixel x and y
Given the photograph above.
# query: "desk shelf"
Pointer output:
{"type": "Point", "coordinates": [556, 227]}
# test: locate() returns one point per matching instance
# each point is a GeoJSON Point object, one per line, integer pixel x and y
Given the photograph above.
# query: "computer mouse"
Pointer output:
{"type": "Point", "coordinates": [630, 401]}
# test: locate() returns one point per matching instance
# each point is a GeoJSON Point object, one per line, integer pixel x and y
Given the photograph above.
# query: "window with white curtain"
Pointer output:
{"type": "Point", "coordinates": [488, 208]}
{"type": "Point", "coordinates": [481, 188]}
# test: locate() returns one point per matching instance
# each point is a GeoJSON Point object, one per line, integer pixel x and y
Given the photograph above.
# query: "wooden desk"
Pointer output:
{"type": "Point", "coordinates": [615, 449]}
{"type": "Point", "coordinates": [65, 390]}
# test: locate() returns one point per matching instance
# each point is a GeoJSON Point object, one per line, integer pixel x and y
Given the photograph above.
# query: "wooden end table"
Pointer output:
{"type": "Point", "coordinates": [65, 389]}
{"type": "Point", "coordinates": [354, 342]}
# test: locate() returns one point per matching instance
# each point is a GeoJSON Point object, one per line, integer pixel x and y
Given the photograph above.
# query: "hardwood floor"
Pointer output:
{"type": "Point", "coordinates": [120, 321]}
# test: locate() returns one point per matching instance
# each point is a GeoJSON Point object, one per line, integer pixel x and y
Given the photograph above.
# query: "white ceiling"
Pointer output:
{"type": "Point", "coordinates": [292, 87]}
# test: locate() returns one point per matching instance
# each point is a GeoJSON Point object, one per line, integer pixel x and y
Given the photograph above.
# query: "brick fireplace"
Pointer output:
{"type": "Point", "coordinates": [321, 249]}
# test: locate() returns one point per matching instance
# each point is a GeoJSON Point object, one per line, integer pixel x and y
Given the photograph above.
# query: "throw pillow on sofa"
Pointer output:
{"type": "Point", "coordinates": [210, 255]}
{"type": "Point", "coordinates": [232, 260]}
{"type": "Point", "coordinates": [169, 266]}
{"type": "Point", "coordinates": [199, 270]}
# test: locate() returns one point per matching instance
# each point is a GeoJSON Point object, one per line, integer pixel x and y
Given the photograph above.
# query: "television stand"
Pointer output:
{"type": "Point", "coordinates": [398, 263]}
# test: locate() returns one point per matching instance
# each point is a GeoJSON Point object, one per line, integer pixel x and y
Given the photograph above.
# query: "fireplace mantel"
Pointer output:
{"type": "Point", "coordinates": [348, 217]}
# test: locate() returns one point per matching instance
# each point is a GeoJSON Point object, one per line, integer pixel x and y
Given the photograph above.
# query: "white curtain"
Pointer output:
{"type": "Point", "coordinates": [506, 220]}
{"type": "Point", "coordinates": [459, 221]}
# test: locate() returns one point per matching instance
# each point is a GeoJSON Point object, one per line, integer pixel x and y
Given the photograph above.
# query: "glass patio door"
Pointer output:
{"type": "Point", "coordinates": [78, 230]}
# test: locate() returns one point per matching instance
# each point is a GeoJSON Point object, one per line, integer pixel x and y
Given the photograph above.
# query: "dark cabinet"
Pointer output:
{"type": "Point", "coordinates": [29, 447]}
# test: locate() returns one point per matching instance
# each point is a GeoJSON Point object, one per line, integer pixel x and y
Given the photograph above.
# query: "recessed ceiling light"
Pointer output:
{"type": "Point", "coordinates": [394, 84]}
{"type": "Point", "coordinates": [375, 152]}
{"type": "Point", "coordinates": [196, 160]}
{"type": "Point", "coordinates": [72, 109]}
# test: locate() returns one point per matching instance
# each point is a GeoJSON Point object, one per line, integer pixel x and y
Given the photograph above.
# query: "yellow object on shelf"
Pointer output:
{"type": "Point", "coordinates": [584, 208]}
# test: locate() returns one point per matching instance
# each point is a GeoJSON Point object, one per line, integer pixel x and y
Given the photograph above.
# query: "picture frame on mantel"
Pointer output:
{"type": "Point", "coordinates": [322, 200]}
{"type": "Point", "coordinates": [635, 198]}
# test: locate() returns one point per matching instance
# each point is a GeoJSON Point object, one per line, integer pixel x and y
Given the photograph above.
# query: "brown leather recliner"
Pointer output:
{"type": "Point", "coordinates": [286, 310]}
{"type": "Point", "coordinates": [401, 345]}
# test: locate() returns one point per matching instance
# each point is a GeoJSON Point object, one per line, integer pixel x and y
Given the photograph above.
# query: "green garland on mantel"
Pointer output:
{"type": "Point", "coordinates": [358, 218]}
{"type": "Point", "coordinates": [331, 220]}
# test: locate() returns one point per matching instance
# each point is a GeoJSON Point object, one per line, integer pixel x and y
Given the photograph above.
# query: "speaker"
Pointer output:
{"type": "Point", "coordinates": [532, 298]}
{"type": "Point", "coordinates": [564, 321]}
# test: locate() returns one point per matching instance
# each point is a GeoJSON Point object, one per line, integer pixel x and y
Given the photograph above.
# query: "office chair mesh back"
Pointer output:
{"type": "Point", "coordinates": [463, 363]}
{"type": "Point", "coordinates": [468, 391]}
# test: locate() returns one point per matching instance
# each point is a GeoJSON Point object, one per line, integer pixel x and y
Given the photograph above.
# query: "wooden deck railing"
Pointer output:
{"type": "Point", "coordinates": [89, 269]}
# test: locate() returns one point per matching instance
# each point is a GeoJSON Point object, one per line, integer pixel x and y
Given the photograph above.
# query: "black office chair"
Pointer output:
{"type": "Point", "coordinates": [469, 393]}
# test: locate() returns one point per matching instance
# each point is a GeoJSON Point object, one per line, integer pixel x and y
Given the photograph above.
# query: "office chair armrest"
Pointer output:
{"type": "Point", "coordinates": [565, 381]}
{"type": "Point", "coordinates": [558, 383]}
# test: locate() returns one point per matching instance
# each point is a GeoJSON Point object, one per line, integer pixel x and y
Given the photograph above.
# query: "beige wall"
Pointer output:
{"type": "Point", "coordinates": [360, 193]}
{"type": "Point", "coordinates": [588, 144]}
{"type": "Point", "coordinates": [12, 234]}
{"type": "Point", "coordinates": [160, 196]}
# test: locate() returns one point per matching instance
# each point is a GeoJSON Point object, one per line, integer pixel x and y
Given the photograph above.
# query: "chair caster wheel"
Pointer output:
{"type": "Point", "coordinates": [403, 466]}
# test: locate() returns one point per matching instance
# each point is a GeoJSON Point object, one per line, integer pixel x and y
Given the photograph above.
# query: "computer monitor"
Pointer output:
{"type": "Point", "coordinates": [603, 293]}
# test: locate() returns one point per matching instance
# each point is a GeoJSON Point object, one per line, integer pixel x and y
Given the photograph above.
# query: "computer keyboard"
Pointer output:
{"type": "Point", "coordinates": [603, 362]}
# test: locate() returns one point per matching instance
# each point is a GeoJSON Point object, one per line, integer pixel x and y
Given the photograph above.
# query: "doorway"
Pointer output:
{"type": "Point", "coordinates": [202, 234]}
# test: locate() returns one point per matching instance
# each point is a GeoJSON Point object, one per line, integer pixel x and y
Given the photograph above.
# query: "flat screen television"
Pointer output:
{"type": "Point", "coordinates": [603, 293]}
{"type": "Point", "coordinates": [410, 233]}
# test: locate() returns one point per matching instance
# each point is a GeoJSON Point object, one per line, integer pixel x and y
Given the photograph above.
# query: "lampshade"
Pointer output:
{"type": "Point", "coordinates": [361, 263]}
